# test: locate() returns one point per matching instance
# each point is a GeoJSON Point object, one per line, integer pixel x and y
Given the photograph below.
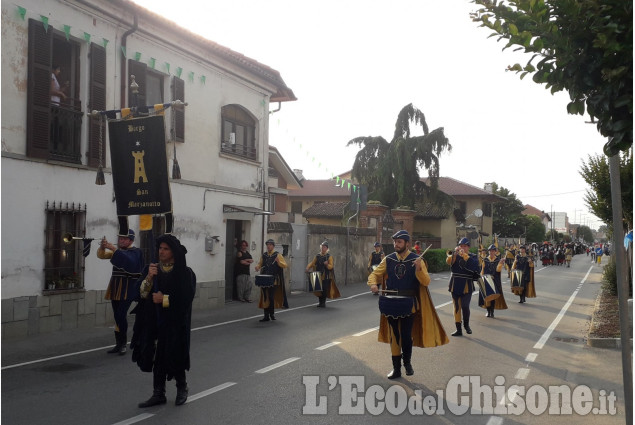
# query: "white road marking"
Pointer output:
{"type": "Point", "coordinates": [522, 373]}
{"type": "Point", "coordinates": [495, 420]}
{"type": "Point", "coordinates": [332, 344]}
{"type": "Point", "coordinates": [531, 357]}
{"type": "Point", "coordinates": [135, 419]}
{"type": "Point", "coordinates": [277, 365]}
{"type": "Point", "coordinates": [210, 391]}
{"type": "Point", "coordinates": [366, 331]}
{"type": "Point", "coordinates": [545, 336]}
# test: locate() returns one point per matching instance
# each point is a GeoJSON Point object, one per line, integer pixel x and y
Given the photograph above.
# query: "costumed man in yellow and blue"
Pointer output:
{"type": "Point", "coordinates": [492, 266]}
{"type": "Point", "coordinates": [272, 263]}
{"type": "Point", "coordinates": [127, 263]}
{"type": "Point", "coordinates": [373, 261]}
{"type": "Point", "coordinates": [408, 317]}
{"type": "Point", "coordinates": [525, 264]}
{"type": "Point", "coordinates": [465, 270]}
{"type": "Point", "coordinates": [510, 254]}
{"type": "Point", "coordinates": [323, 264]}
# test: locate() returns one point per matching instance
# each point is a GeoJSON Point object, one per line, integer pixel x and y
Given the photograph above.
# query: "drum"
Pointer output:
{"type": "Point", "coordinates": [396, 306]}
{"type": "Point", "coordinates": [517, 280]}
{"type": "Point", "coordinates": [315, 282]}
{"type": "Point", "coordinates": [264, 280]}
{"type": "Point", "coordinates": [487, 287]}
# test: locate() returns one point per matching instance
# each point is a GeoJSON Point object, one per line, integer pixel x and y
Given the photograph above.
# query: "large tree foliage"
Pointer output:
{"type": "Point", "coordinates": [391, 169]}
{"type": "Point", "coordinates": [582, 46]}
{"type": "Point", "coordinates": [535, 229]}
{"type": "Point", "coordinates": [595, 173]}
{"type": "Point", "coordinates": [507, 219]}
{"type": "Point", "coordinates": [585, 233]}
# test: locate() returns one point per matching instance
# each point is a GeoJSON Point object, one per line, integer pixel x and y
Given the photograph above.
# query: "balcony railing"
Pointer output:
{"type": "Point", "coordinates": [66, 127]}
{"type": "Point", "coordinates": [239, 150]}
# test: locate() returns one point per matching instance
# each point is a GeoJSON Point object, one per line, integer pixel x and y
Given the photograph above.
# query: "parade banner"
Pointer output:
{"type": "Point", "coordinates": [139, 166]}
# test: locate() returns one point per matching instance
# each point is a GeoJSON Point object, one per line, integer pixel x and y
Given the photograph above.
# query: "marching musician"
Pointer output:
{"type": "Point", "coordinates": [465, 270]}
{"type": "Point", "coordinates": [127, 263]}
{"type": "Point", "coordinates": [493, 265]}
{"type": "Point", "coordinates": [510, 255]}
{"type": "Point", "coordinates": [272, 263]}
{"type": "Point", "coordinates": [525, 264]}
{"type": "Point", "coordinates": [408, 276]}
{"type": "Point", "coordinates": [323, 263]}
{"type": "Point", "coordinates": [373, 261]}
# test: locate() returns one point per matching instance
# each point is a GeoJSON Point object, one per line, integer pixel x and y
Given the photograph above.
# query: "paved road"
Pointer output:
{"type": "Point", "coordinates": [325, 366]}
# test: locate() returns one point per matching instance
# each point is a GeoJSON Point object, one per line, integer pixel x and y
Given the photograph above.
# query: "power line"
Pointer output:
{"type": "Point", "coordinates": [553, 194]}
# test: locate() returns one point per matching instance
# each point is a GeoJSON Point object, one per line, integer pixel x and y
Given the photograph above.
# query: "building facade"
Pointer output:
{"type": "Point", "coordinates": [53, 148]}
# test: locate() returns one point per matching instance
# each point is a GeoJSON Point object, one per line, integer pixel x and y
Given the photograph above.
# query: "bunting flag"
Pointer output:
{"type": "Point", "coordinates": [123, 50]}
{"type": "Point", "coordinates": [67, 32]}
{"type": "Point", "coordinates": [191, 76]}
{"type": "Point", "coordinates": [137, 56]}
{"type": "Point", "coordinates": [152, 62]}
{"type": "Point", "coordinates": [45, 22]}
{"type": "Point", "coordinates": [179, 70]}
{"type": "Point", "coordinates": [167, 66]}
{"type": "Point", "coordinates": [21, 12]}
{"type": "Point", "coordinates": [104, 42]}
{"type": "Point", "coordinates": [87, 37]}
{"type": "Point", "coordinates": [203, 79]}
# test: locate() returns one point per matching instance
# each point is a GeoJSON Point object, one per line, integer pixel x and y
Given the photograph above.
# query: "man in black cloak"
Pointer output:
{"type": "Point", "coordinates": [161, 339]}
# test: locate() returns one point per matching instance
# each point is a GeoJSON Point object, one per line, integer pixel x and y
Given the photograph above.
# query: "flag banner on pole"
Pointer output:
{"type": "Point", "coordinates": [140, 166]}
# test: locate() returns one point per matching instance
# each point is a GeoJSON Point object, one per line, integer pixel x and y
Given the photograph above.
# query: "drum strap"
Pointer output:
{"type": "Point", "coordinates": [407, 292]}
{"type": "Point", "coordinates": [465, 276]}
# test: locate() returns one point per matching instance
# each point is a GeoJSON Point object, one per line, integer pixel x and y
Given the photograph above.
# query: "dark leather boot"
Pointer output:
{"type": "Point", "coordinates": [459, 331]}
{"type": "Point", "coordinates": [272, 316]}
{"type": "Point", "coordinates": [266, 318]}
{"type": "Point", "coordinates": [158, 397]}
{"type": "Point", "coordinates": [123, 341]}
{"type": "Point", "coordinates": [407, 364]}
{"type": "Point", "coordinates": [396, 368]}
{"type": "Point", "coordinates": [117, 346]}
{"type": "Point", "coordinates": [181, 392]}
{"type": "Point", "coordinates": [466, 325]}
{"type": "Point", "coordinates": [491, 313]}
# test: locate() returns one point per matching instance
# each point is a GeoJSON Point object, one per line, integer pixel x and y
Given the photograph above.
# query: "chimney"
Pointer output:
{"type": "Point", "coordinates": [298, 174]}
{"type": "Point", "coordinates": [489, 187]}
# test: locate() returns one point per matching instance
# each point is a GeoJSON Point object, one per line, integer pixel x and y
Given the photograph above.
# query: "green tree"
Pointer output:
{"type": "Point", "coordinates": [535, 228]}
{"type": "Point", "coordinates": [582, 46]}
{"type": "Point", "coordinates": [391, 169]}
{"type": "Point", "coordinates": [507, 219]}
{"type": "Point", "coordinates": [585, 233]}
{"type": "Point", "coordinates": [595, 173]}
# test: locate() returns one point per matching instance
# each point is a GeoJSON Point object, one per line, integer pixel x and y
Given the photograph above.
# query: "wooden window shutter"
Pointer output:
{"type": "Point", "coordinates": [178, 93]}
{"type": "Point", "coordinates": [38, 91]}
{"type": "Point", "coordinates": [138, 69]}
{"type": "Point", "coordinates": [97, 102]}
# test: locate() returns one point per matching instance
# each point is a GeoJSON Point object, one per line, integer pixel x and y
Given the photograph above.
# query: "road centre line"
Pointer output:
{"type": "Point", "coordinates": [366, 331]}
{"type": "Point", "coordinates": [495, 420]}
{"type": "Point", "coordinates": [522, 373]}
{"type": "Point", "coordinates": [329, 345]}
{"type": "Point", "coordinates": [135, 419]}
{"type": "Point", "coordinates": [531, 357]}
{"type": "Point", "coordinates": [277, 365]}
{"type": "Point", "coordinates": [210, 391]}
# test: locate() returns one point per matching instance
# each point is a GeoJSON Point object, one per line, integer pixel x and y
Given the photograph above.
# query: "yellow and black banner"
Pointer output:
{"type": "Point", "coordinates": [140, 166]}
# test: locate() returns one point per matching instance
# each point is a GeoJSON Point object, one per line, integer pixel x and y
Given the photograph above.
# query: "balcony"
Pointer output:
{"type": "Point", "coordinates": [66, 127]}
{"type": "Point", "coordinates": [239, 150]}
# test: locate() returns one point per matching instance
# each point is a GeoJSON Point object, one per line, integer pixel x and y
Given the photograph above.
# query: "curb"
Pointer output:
{"type": "Point", "coordinates": [611, 343]}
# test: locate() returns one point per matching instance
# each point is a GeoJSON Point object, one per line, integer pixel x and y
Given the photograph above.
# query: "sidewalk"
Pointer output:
{"type": "Point", "coordinates": [60, 343]}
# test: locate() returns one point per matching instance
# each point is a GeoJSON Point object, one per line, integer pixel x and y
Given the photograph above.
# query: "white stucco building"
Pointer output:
{"type": "Point", "coordinates": [50, 153]}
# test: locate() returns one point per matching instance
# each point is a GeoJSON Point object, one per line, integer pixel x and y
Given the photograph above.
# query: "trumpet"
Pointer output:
{"type": "Point", "coordinates": [457, 250]}
{"type": "Point", "coordinates": [68, 238]}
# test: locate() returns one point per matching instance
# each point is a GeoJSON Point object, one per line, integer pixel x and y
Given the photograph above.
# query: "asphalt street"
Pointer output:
{"type": "Point", "coordinates": [529, 365]}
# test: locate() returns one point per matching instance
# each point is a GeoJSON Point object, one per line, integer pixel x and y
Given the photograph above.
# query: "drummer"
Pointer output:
{"type": "Point", "coordinates": [465, 270]}
{"type": "Point", "coordinates": [272, 263]}
{"type": "Point", "coordinates": [323, 263]}
{"type": "Point", "coordinates": [526, 266]}
{"type": "Point", "coordinates": [373, 261]}
{"type": "Point", "coordinates": [493, 265]}
{"type": "Point", "coordinates": [408, 275]}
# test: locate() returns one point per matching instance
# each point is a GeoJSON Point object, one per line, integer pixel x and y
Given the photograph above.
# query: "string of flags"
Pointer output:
{"type": "Point", "coordinates": [152, 62]}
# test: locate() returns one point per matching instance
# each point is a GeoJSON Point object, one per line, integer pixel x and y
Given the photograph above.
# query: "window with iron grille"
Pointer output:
{"type": "Point", "coordinates": [63, 261]}
{"type": "Point", "coordinates": [296, 207]}
{"type": "Point", "coordinates": [238, 133]}
{"type": "Point", "coordinates": [487, 209]}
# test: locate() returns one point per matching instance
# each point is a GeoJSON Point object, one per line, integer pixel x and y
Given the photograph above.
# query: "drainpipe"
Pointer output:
{"type": "Point", "coordinates": [124, 78]}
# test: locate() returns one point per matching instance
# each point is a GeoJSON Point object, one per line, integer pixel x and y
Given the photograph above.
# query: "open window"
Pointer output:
{"type": "Point", "coordinates": [238, 132]}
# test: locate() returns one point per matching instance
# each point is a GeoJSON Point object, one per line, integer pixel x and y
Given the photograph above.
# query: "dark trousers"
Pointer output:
{"type": "Point", "coordinates": [462, 305]}
{"type": "Point", "coordinates": [402, 332]}
{"type": "Point", "coordinates": [120, 313]}
{"type": "Point", "coordinates": [160, 376]}
{"type": "Point", "coordinates": [270, 294]}
{"type": "Point", "coordinates": [326, 288]}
